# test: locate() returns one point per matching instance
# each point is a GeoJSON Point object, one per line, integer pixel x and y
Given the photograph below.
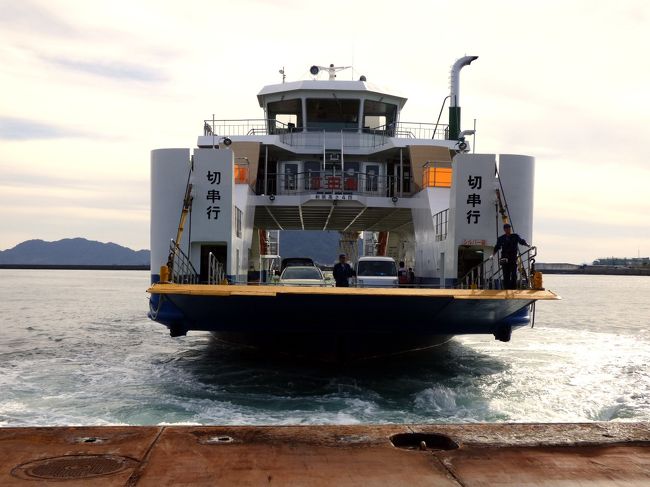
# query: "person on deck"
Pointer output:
{"type": "Point", "coordinates": [509, 243]}
{"type": "Point", "coordinates": [342, 272]}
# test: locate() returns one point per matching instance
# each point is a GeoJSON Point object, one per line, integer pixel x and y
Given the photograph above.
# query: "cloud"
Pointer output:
{"type": "Point", "coordinates": [12, 128]}
{"type": "Point", "coordinates": [568, 239]}
{"type": "Point", "coordinates": [86, 188]}
{"type": "Point", "coordinates": [28, 16]}
{"type": "Point", "coordinates": [109, 69]}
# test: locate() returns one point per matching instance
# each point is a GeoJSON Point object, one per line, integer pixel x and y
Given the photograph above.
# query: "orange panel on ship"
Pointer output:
{"type": "Point", "coordinates": [241, 174]}
{"type": "Point", "coordinates": [436, 177]}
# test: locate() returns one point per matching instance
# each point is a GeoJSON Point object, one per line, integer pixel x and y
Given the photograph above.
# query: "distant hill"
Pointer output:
{"type": "Point", "coordinates": [320, 246]}
{"type": "Point", "coordinates": [72, 251]}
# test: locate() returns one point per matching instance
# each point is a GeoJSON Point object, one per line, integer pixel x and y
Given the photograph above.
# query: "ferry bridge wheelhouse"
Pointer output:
{"type": "Point", "coordinates": [334, 141]}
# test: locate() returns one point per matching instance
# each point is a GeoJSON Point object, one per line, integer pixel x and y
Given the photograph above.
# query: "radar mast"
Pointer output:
{"type": "Point", "coordinates": [331, 70]}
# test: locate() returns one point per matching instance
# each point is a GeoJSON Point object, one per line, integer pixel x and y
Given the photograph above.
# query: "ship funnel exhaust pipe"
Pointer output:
{"type": "Point", "coordinates": [454, 107]}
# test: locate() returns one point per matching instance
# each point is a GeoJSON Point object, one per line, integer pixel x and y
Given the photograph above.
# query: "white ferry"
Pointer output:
{"type": "Point", "coordinates": [330, 154]}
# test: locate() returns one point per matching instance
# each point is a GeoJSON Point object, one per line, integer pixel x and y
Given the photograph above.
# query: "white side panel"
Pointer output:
{"type": "Point", "coordinates": [473, 196]}
{"type": "Point", "coordinates": [212, 187]}
{"type": "Point", "coordinates": [517, 175]}
{"type": "Point", "coordinates": [169, 171]}
{"type": "Point", "coordinates": [472, 219]}
{"type": "Point", "coordinates": [428, 202]}
{"type": "Point", "coordinates": [243, 243]}
{"type": "Point", "coordinates": [212, 207]}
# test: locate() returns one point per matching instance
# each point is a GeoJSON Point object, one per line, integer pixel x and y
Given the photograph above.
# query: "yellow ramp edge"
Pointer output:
{"type": "Point", "coordinates": [271, 291]}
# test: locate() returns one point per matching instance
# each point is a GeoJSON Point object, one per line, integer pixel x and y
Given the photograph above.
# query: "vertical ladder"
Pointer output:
{"type": "Point", "coordinates": [349, 245]}
{"type": "Point", "coordinates": [370, 242]}
{"type": "Point", "coordinates": [269, 252]}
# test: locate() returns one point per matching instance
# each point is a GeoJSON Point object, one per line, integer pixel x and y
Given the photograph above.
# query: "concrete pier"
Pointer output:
{"type": "Point", "coordinates": [595, 454]}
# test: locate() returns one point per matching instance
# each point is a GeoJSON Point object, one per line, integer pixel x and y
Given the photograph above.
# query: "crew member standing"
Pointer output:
{"type": "Point", "coordinates": [342, 272]}
{"type": "Point", "coordinates": [509, 243]}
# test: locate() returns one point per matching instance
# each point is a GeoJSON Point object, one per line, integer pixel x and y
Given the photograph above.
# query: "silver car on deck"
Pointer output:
{"type": "Point", "coordinates": [302, 276]}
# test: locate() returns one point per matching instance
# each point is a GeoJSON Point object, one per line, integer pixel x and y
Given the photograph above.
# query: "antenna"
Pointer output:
{"type": "Point", "coordinates": [282, 73]}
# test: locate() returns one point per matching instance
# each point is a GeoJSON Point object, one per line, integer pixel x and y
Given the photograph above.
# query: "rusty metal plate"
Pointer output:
{"type": "Point", "coordinates": [73, 467]}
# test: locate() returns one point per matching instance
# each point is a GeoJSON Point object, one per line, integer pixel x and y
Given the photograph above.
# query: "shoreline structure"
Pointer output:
{"type": "Point", "coordinates": [550, 268]}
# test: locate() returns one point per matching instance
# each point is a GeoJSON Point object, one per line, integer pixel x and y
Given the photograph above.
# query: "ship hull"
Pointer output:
{"type": "Point", "coordinates": [339, 323]}
{"type": "Point", "coordinates": [335, 347]}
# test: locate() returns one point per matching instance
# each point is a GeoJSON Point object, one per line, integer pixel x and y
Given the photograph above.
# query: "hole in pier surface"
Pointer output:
{"type": "Point", "coordinates": [89, 439]}
{"type": "Point", "coordinates": [423, 441]}
{"type": "Point", "coordinates": [217, 440]}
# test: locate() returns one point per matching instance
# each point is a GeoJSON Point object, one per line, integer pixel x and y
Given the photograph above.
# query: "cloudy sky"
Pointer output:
{"type": "Point", "coordinates": [90, 87]}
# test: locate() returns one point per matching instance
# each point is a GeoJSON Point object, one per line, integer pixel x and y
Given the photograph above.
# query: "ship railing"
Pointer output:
{"type": "Point", "coordinates": [181, 270]}
{"type": "Point", "coordinates": [315, 134]}
{"type": "Point", "coordinates": [489, 274]}
{"type": "Point", "coordinates": [441, 225]}
{"type": "Point", "coordinates": [243, 127]}
{"type": "Point", "coordinates": [216, 273]}
{"type": "Point", "coordinates": [335, 183]}
{"type": "Point", "coordinates": [334, 137]}
{"type": "Point", "coordinates": [415, 130]}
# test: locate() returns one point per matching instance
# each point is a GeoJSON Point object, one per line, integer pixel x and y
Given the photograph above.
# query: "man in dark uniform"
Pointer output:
{"type": "Point", "coordinates": [509, 243]}
{"type": "Point", "coordinates": [342, 272]}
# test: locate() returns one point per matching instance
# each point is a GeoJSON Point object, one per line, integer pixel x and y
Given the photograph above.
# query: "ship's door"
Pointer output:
{"type": "Point", "coordinates": [468, 257]}
{"type": "Point", "coordinates": [220, 251]}
{"type": "Point", "coordinates": [313, 180]}
{"type": "Point", "coordinates": [290, 176]}
{"type": "Point", "coordinates": [371, 178]}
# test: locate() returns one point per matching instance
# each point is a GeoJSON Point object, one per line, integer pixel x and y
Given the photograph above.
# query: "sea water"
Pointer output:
{"type": "Point", "coordinates": [77, 348]}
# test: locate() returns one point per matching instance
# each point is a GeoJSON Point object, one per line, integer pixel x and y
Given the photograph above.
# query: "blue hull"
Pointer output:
{"type": "Point", "coordinates": [339, 325]}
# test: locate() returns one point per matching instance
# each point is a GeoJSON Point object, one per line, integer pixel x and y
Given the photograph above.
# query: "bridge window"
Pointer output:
{"type": "Point", "coordinates": [287, 114]}
{"type": "Point", "coordinates": [332, 114]}
{"type": "Point", "coordinates": [378, 115]}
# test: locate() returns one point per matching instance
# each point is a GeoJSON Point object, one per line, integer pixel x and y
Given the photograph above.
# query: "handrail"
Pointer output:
{"type": "Point", "coordinates": [270, 126]}
{"type": "Point", "coordinates": [441, 225]}
{"type": "Point", "coordinates": [243, 127]}
{"type": "Point", "coordinates": [333, 182]}
{"type": "Point", "coordinates": [489, 274]}
{"type": "Point", "coordinates": [442, 107]}
{"type": "Point", "coordinates": [216, 273]}
{"type": "Point", "coordinates": [181, 270]}
{"type": "Point", "coordinates": [317, 136]}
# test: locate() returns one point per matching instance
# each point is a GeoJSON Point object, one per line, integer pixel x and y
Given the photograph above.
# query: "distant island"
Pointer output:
{"type": "Point", "coordinates": [73, 253]}
{"type": "Point", "coordinates": [322, 246]}
{"type": "Point", "coordinates": [81, 253]}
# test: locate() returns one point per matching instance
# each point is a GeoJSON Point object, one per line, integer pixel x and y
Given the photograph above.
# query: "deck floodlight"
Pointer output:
{"type": "Point", "coordinates": [394, 198]}
{"type": "Point", "coordinates": [314, 70]}
{"type": "Point", "coordinates": [272, 197]}
{"type": "Point", "coordinates": [226, 141]}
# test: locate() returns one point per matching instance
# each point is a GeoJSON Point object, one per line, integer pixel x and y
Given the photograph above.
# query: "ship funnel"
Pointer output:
{"type": "Point", "coordinates": [454, 107]}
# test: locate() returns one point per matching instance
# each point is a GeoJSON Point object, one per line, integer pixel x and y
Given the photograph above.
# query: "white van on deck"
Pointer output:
{"type": "Point", "coordinates": [377, 272]}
